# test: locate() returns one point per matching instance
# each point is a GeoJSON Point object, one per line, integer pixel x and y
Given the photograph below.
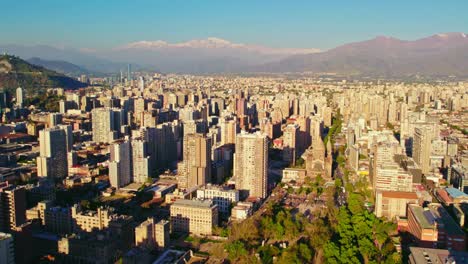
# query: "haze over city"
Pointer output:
{"type": "Point", "coordinates": [233, 132]}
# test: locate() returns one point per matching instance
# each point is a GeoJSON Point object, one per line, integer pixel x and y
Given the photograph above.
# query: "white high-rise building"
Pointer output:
{"type": "Point", "coordinates": [141, 161]}
{"type": "Point", "coordinates": [19, 96]}
{"type": "Point", "coordinates": [120, 165]}
{"type": "Point", "coordinates": [52, 160]}
{"type": "Point", "coordinates": [251, 164]}
{"type": "Point", "coordinates": [141, 84]}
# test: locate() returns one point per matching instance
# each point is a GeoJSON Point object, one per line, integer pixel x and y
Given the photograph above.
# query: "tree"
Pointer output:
{"type": "Point", "coordinates": [236, 249]}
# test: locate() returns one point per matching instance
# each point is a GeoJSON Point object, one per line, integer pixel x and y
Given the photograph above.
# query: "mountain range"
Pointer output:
{"type": "Point", "coordinates": [438, 55]}
{"type": "Point", "coordinates": [64, 67]}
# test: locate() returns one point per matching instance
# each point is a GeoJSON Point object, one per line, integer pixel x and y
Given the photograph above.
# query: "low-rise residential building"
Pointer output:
{"type": "Point", "coordinates": [393, 204]}
{"type": "Point", "coordinates": [88, 248]}
{"type": "Point", "coordinates": [54, 218]}
{"type": "Point", "coordinates": [151, 234]}
{"type": "Point", "coordinates": [222, 196]}
{"type": "Point", "coordinates": [433, 227]}
{"type": "Point", "coordinates": [88, 220]}
{"type": "Point", "coordinates": [241, 211]}
{"type": "Point", "coordinates": [449, 196]}
{"type": "Point", "coordinates": [194, 216]}
{"type": "Point", "coordinates": [459, 177]}
{"type": "Point", "coordinates": [293, 174]}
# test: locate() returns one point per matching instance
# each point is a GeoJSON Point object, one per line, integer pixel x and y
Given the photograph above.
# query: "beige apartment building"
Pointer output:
{"type": "Point", "coordinates": [151, 234]}
{"type": "Point", "coordinates": [251, 164]}
{"type": "Point", "coordinates": [194, 216]}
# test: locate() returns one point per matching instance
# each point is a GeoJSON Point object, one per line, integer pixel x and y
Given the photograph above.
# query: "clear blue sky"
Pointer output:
{"type": "Point", "coordinates": [302, 24]}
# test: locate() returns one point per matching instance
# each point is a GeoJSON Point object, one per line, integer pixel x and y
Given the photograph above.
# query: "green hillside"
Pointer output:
{"type": "Point", "coordinates": [15, 72]}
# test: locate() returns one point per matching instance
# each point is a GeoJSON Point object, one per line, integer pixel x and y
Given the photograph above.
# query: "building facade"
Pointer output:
{"type": "Point", "coordinates": [194, 216]}
{"type": "Point", "coordinates": [251, 164]}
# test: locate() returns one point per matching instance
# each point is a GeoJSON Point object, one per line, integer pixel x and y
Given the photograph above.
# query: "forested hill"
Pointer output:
{"type": "Point", "coordinates": [15, 72]}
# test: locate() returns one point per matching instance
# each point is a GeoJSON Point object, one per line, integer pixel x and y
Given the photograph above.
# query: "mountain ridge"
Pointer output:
{"type": "Point", "coordinates": [442, 54]}
{"type": "Point", "coordinates": [385, 56]}
{"type": "Point", "coordinates": [59, 66]}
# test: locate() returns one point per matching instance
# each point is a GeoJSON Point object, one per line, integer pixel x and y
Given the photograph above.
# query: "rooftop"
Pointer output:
{"type": "Point", "coordinates": [400, 195]}
{"type": "Point", "coordinates": [445, 221]}
{"type": "Point", "coordinates": [423, 218]}
{"type": "Point", "coordinates": [4, 236]}
{"type": "Point", "coordinates": [194, 203]}
{"type": "Point", "coordinates": [423, 255]}
{"type": "Point", "coordinates": [455, 193]}
{"type": "Point", "coordinates": [170, 256]}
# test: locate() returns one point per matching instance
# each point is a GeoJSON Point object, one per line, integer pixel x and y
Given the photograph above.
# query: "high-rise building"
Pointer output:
{"type": "Point", "coordinates": [4, 99]}
{"type": "Point", "coordinates": [229, 129]}
{"type": "Point", "coordinates": [120, 165]}
{"type": "Point", "coordinates": [106, 123]}
{"type": "Point", "coordinates": [12, 207]}
{"type": "Point", "coordinates": [422, 147]}
{"type": "Point", "coordinates": [141, 161]}
{"type": "Point", "coordinates": [251, 164]}
{"type": "Point", "coordinates": [69, 135]}
{"type": "Point", "coordinates": [7, 249]}
{"type": "Point", "coordinates": [196, 163]}
{"type": "Point", "coordinates": [290, 138]}
{"type": "Point", "coordinates": [129, 72]}
{"type": "Point", "coordinates": [19, 96]}
{"type": "Point", "coordinates": [141, 84]}
{"type": "Point", "coordinates": [55, 119]}
{"type": "Point", "coordinates": [52, 160]}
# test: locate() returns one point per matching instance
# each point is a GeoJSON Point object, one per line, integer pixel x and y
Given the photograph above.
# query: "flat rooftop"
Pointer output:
{"type": "Point", "coordinates": [194, 203]}
{"type": "Point", "coordinates": [423, 255]}
{"type": "Point", "coordinates": [4, 236]}
{"type": "Point", "coordinates": [170, 256]}
{"type": "Point", "coordinates": [423, 217]}
{"type": "Point", "coordinates": [445, 221]}
{"type": "Point", "coordinates": [455, 193]}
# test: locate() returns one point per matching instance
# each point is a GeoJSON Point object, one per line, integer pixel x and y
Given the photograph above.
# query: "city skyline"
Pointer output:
{"type": "Point", "coordinates": [233, 132]}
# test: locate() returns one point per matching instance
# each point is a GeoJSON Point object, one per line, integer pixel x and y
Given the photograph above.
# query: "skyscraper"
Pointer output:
{"type": "Point", "coordinates": [120, 165]}
{"type": "Point", "coordinates": [251, 164]}
{"type": "Point", "coordinates": [129, 72]}
{"type": "Point", "coordinates": [7, 249]}
{"type": "Point", "coordinates": [422, 147]}
{"type": "Point", "coordinates": [52, 161]}
{"type": "Point", "coordinates": [290, 138]}
{"type": "Point", "coordinates": [12, 207]}
{"type": "Point", "coordinates": [141, 161]}
{"type": "Point", "coordinates": [229, 129]}
{"type": "Point", "coordinates": [69, 135]}
{"type": "Point", "coordinates": [196, 164]}
{"type": "Point", "coordinates": [106, 123]}
{"type": "Point", "coordinates": [19, 96]}
{"type": "Point", "coordinates": [141, 84]}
